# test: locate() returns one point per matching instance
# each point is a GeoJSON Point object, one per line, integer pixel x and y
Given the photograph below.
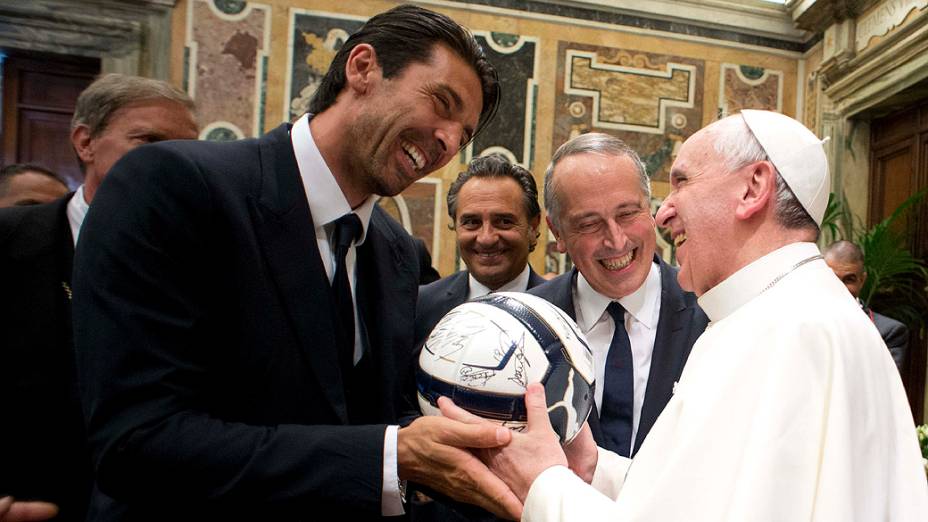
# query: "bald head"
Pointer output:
{"type": "Point", "coordinates": [847, 262]}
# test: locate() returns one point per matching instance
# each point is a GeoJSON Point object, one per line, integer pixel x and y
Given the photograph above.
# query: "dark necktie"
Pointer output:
{"type": "Point", "coordinates": [615, 416]}
{"type": "Point", "coordinates": [347, 231]}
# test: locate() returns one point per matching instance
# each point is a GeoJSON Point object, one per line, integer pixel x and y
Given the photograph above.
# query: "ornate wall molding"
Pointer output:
{"type": "Point", "coordinates": [132, 37]}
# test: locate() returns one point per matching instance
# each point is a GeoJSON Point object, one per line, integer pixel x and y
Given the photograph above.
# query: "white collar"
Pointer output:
{"type": "Point", "coordinates": [326, 200]}
{"type": "Point", "coordinates": [640, 304]}
{"type": "Point", "coordinates": [77, 211]}
{"type": "Point", "coordinates": [750, 281]}
{"type": "Point", "coordinates": [519, 284]}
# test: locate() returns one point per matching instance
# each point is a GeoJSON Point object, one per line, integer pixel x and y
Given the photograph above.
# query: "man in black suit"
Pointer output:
{"type": "Point", "coordinates": [495, 214]}
{"type": "Point", "coordinates": [47, 457]}
{"type": "Point", "coordinates": [226, 373]}
{"type": "Point", "coordinates": [639, 323]}
{"type": "Point", "coordinates": [27, 184]}
{"type": "Point", "coordinates": [847, 262]}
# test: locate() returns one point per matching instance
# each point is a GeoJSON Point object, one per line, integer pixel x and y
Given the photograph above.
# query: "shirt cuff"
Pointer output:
{"type": "Point", "coordinates": [391, 501]}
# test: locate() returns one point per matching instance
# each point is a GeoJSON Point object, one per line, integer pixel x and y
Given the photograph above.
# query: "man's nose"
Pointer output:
{"type": "Point", "coordinates": [665, 213]}
{"type": "Point", "coordinates": [448, 136]}
{"type": "Point", "coordinates": [616, 238]}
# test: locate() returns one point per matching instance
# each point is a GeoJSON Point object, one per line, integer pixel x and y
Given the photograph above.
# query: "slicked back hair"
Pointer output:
{"type": "Point", "coordinates": [592, 143]}
{"type": "Point", "coordinates": [408, 34]}
{"type": "Point", "coordinates": [496, 166]}
{"type": "Point", "coordinates": [111, 92]}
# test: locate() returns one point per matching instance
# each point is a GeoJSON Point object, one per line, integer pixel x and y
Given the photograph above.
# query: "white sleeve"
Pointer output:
{"type": "Point", "coordinates": [391, 500]}
{"type": "Point", "coordinates": [560, 495]}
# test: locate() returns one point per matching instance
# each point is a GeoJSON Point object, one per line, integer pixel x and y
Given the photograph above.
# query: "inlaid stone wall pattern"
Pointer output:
{"type": "Point", "coordinates": [226, 55]}
{"type": "Point", "coordinates": [314, 38]}
{"type": "Point", "coordinates": [418, 209]}
{"type": "Point", "coordinates": [512, 131]}
{"type": "Point", "coordinates": [651, 101]}
{"type": "Point", "coordinates": [749, 87]}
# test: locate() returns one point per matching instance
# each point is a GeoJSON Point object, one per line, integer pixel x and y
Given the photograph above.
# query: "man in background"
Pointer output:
{"type": "Point", "coordinates": [45, 443]}
{"type": "Point", "coordinates": [494, 212]}
{"type": "Point", "coordinates": [846, 260]}
{"type": "Point", "coordinates": [639, 323]}
{"type": "Point", "coordinates": [28, 184]}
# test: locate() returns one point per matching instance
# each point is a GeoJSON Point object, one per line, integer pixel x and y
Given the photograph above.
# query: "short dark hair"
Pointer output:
{"type": "Point", "coordinates": [496, 166]}
{"type": "Point", "coordinates": [407, 34]}
{"type": "Point", "coordinates": [7, 173]}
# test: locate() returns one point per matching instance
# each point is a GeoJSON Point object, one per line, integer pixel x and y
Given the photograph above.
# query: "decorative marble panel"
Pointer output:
{"type": "Point", "coordinates": [748, 87]}
{"type": "Point", "coordinates": [512, 131]}
{"type": "Point", "coordinates": [419, 209]}
{"type": "Point", "coordinates": [650, 101]}
{"type": "Point", "coordinates": [315, 37]}
{"type": "Point", "coordinates": [226, 53]}
{"type": "Point", "coordinates": [883, 19]}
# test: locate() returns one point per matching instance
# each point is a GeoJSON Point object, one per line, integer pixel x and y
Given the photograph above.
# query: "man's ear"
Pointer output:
{"type": "Point", "coordinates": [561, 245]}
{"type": "Point", "coordinates": [533, 233]}
{"type": "Point", "coordinates": [760, 189]}
{"type": "Point", "coordinates": [81, 141]}
{"type": "Point", "coordinates": [362, 68]}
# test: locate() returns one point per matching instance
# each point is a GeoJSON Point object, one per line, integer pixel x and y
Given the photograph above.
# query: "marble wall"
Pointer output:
{"type": "Point", "coordinates": [252, 65]}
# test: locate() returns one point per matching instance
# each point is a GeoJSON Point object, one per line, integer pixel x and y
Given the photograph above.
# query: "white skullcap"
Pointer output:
{"type": "Point", "coordinates": [797, 154]}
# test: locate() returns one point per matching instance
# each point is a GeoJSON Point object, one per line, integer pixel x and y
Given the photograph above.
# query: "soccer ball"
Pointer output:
{"type": "Point", "coordinates": [485, 352]}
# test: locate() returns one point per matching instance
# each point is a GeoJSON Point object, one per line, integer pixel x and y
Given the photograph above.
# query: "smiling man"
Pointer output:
{"type": "Point", "coordinates": [244, 310]}
{"type": "Point", "coordinates": [789, 407]}
{"type": "Point", "coordinates": [493, 206]}
{"type": "Point", "coordinates": [639, 323]}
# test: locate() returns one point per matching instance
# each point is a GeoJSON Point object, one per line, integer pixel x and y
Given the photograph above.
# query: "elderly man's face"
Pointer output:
{"type": "Point", "coordinates": [699, 213]}
{"type": "Point", "coordinates": [414, 123]}
{"type": "Point", "coordinates": [494, 232]}
{"type": "Point", "coordinates": [605, 222]}
{"type": "Point", "coordinates": [128, 127]}
{"type": "Point", "coordinates": [849, 272]}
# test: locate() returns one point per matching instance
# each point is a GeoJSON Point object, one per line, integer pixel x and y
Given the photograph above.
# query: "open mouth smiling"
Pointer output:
{"type": "Point", "coordinates": [618, 263]}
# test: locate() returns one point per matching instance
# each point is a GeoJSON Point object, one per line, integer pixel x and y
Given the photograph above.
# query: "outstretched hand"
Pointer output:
{"type": "Point", "coordinates": [433, 451]}
{"type": "Point", "coordinates": [13, 511]}
{"type": "Point", "coordinates": [529, 453]}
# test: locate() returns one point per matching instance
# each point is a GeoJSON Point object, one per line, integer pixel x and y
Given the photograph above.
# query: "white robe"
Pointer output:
{"type": "Point", "coordinates": [789, 409]}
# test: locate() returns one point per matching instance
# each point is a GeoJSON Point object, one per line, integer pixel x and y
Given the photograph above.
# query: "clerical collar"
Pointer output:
{"type": "Point", "coordinates": [326, 200]}
{"type": "Point", "coordinates": [640, 304]}
{"type": "Point", "coordinates": [749, 282]}
{"type": "Point", "coordinates": [477, 289]}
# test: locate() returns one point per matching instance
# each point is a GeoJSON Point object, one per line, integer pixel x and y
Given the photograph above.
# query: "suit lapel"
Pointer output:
{"type": "Point", "coordinates": [459, 289]}
{"type": "Point", "coordinates": [286, 232]}
{"type": "Point", "coordinates": [386, 279]}
{"type": "Point", "coordinates": [668, 353]}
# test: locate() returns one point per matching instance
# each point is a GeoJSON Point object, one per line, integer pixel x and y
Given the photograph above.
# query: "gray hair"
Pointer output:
{"type": "Point", "coordinates": [593, 143]}
{"type": "Point", "coordinates": [111, 92]}
{"type": "Point", "coordinates": [734, 142]}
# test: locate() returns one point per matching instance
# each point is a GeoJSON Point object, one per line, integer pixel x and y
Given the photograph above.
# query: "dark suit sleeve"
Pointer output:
{"type": "Point", "coordinates": [144, 317]}
{"type": "Point", "coordinates": [896, 337]}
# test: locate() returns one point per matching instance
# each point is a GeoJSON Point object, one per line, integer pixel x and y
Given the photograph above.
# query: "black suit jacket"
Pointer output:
{"type": "Point", "coordinates": [206, 343]}
{"type": "Point", "coordinates": [680, 323]}
{"type": "Point", "coordinates": [895, 335]}
{"type": "Point", "coordinates": [438, 298]}
{"type": "Point", "coordinates": [43, 440]}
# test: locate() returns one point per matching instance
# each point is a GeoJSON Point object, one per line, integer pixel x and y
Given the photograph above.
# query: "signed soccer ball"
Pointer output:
{"type": "Point", "coordinates": [484, 353]}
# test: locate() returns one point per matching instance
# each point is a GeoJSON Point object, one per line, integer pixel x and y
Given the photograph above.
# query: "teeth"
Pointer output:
{"type": "Point", "coordinates": [679, 240]}
{"type": "Point", "coordinates": [618, 263]}
{"type": "Point", "coordinates": [414, 154]}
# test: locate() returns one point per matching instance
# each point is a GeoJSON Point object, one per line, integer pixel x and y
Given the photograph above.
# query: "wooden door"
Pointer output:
{"type": "Point", "coordinates": [899, 169]}
{"type": "Point", "coordinates": [39, 93]}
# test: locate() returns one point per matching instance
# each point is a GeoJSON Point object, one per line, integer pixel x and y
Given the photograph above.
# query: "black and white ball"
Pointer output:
{"type": "Point", "coordinates": [485, 352]}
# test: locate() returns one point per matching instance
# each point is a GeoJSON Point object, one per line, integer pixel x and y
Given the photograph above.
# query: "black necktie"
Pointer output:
{"type": "Point", "coordinates": [615, 416]}
{"type": "Point", "coordinates": [347, 231]}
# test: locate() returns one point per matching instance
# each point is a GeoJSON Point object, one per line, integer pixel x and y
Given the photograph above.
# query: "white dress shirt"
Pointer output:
{"type": "Point", "coordinates": [642, 311]}
{"type": "Point", "coordinates": [519, 284]}
{"type": "Point", "coordinates": [327, 203]}
{"type": "Point", "coordinates": [77, 211]}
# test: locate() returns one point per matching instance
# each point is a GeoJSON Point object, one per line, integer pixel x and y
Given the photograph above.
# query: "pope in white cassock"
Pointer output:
{"type": "Point", "coordinates": [790, 407]}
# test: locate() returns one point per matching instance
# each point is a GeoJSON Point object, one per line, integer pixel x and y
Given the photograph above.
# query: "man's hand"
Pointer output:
{"type": "Point", "coordinates": [536, 449]}
{"type": "Point", "coordinates": [582, 454]}
{"type": "Point", "coordinates": [12, 511]}
{"type": "Point", "coordinates": [431, 451]}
